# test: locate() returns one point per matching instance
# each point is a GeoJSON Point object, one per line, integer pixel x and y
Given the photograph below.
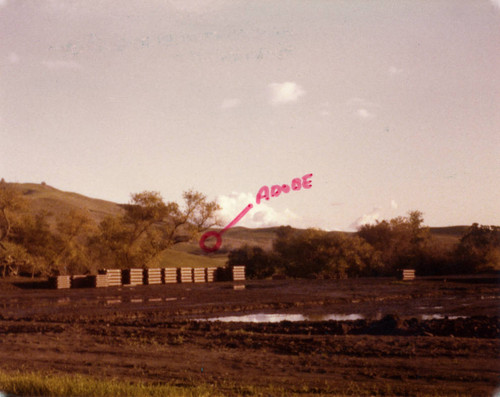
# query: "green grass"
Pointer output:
{"type": "Point", "coordinates": [37, 384]}
{"type": "Point", "coordinates": [179, 258]}
{"type": "Point", "coordinates": [52, 385]}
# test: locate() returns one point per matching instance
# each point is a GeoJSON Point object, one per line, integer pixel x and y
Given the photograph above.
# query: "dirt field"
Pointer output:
{"type": "Point", "coordinates": [426, 337]}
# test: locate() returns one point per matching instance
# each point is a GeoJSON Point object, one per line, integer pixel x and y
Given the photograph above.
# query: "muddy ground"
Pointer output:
{"type": "Point", "coordinates": [431, 336]}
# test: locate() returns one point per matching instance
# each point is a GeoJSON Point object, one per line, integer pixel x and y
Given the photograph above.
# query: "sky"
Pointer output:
{"type": "Point", "coordinates": [392, 105]}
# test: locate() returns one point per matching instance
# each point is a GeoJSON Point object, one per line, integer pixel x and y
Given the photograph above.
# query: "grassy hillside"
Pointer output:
{"type": "Point", "coordinates": [58, 203]}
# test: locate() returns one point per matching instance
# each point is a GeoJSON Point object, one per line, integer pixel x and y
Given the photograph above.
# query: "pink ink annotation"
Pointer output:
{"type": "Point", "coordinates": [264, 193]}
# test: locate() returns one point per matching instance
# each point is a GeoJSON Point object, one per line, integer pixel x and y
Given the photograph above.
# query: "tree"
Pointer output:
{"type": "Point", "coordinates": [33, 233]}
{"type": "Point", "coordinates": [10, 199]}
{"type": "Point", "coordinates": [258, 263]}
{"type": "Point", "coordinates": [400, 242]}
{"type": "Point", "coordinates": [479, 249]}
{"type": "Point", "coordinates": [71, 241]}
{"type": "Point", "coordinates": [12, 256]}
{"type": "Point", "coordinates": [316, 253]}
{"type": "Point", "coordinates": [150, 226]}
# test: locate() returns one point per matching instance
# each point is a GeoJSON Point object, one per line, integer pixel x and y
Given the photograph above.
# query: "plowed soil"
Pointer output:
{"type": "Point", "coordinates": [425, 337]}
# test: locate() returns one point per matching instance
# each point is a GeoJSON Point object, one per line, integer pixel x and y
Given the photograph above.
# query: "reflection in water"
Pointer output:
{"type": "Point", "coordinates": [113, 301]}
{"type": "Point", "coordinates": [439, 317]}
{"type": "Point", "coordinates": [276, 318]}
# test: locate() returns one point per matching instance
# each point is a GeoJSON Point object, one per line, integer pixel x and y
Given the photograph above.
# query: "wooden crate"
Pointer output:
{"type": "Point", "coordinates": [210, 274]}
{"type": "Point", "coordinates": [238, 273]}
{"type": "Point", "coordinates": [98, 280]}
{"type": "Point", "coordinates": [199, 275]}
{"type": "Point", "coordinates": [152, 276]}
{"type": "Point", "coordinates": [408, 274]}
{"type": "Point", "coordinates": [114, 277]}
{"type": "Point", "coordinates": [169, 275]}
{"type": "Point", "coordinates": [186, 275]}
{"type": "Point", "coordinates": [132, 276]}
{"type": "Point", "coordinates": [60, 282]}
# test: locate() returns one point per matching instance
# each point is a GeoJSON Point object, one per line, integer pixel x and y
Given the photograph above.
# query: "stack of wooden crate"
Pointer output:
{"type": "Point", "coordinates": [170, 275]}
{"type": "Point", "coordinates": [60, 282]}
{"type": "Point", "coordinates": [238, 273]}
{"type": "Point", "coordinates": [132, 276]}
{"type": "Point", "coordinates": [408, 274]}
{"type": "Point", "coordinates": [186, 275]}
{"type": "Point", "coordinates": [152, 276]}
{"type": "Point", "coordinates": [210, 274]}
{"type": "Point", "coordinates": [199, 275]}
{"type": "Point", "coordinates": [114, 277]}
{"type": "Point", "coordinates": [99, 280]}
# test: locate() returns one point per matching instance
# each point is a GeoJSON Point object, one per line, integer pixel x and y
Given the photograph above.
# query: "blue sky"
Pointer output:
{"type": "Point", "coordinates": [392, 105]}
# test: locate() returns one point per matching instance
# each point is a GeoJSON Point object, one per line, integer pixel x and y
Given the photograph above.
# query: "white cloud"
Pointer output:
{"type": "Point", "coordinates": [364, 113]}
{"type": "Point", "coordinates": [3, 3]}
{"type": "Point", "coordinates": [13, 58]}
{"type": "Point", "coordinates": [367, 219]}
{"type": "Point", "coordinates": [230, 103]}
{"type": "Point", "coordinates": [58, 65]}
{"type": "Point", "coordinates": [394, 204]}
{"type": "Point", "coordinates": [260, 215]}
{"type": "Point", "coordinates": [285, 92]}
{"type": "Point", "coordinates": [362, 108]}
{"type": "Point", "coordinates": [496, 3]}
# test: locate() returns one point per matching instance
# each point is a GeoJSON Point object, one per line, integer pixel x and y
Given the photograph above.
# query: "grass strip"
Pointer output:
{"type": "Point", "coordinates": [37, 384]}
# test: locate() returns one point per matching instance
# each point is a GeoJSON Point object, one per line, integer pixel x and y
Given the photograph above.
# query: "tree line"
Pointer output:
{"type": "Point", "coordinates": [146, 227]}
{"type": "Point", "coordinates": [380, 249]}
{"type": "Point", "coordinates": [75, 244]}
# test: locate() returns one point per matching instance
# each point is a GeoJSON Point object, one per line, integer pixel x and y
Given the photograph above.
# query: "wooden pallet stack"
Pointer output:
{"type": "Point", "coordinates": [238, 273]}
{"type": "Point", "coordinates": [210, 274]}
{"type": "Point", "coordinates": [132, 276]}
{"type": "Point", "coordinates": [152, 276]}
{"type": "Point", "coordinates": [114, 277]}
{"type": "Point", "coordinates": [60, 282]}
{"type": "Point", "coordinates": [186, 275]}
{"type": "Point", "coordinates": [408, 274]}
{"type": "Point", "coordinates": [169, 275]}
{"type": "Point", "coordinates": [98, 281]}
{"type": "Point", "coordinates": [199, 275]}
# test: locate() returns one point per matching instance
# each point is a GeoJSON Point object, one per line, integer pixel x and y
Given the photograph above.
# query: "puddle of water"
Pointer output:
{"type": "Point", "coordinates": [276, 318]}
{"type": "Point", "coordinates": [439, 317]}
